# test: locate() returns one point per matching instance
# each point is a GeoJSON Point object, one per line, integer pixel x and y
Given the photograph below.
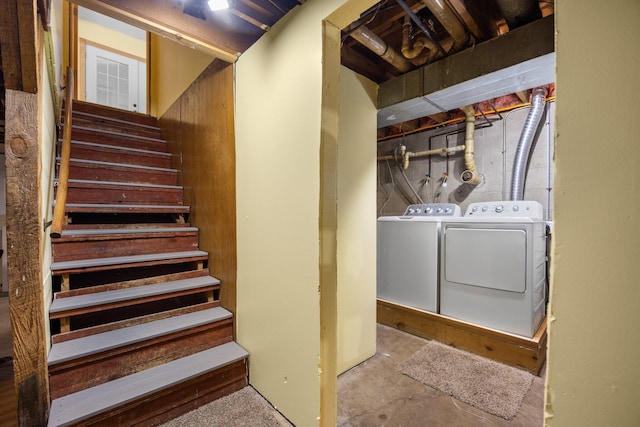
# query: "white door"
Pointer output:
{"type": "Point", "coordinates": [115, 80]}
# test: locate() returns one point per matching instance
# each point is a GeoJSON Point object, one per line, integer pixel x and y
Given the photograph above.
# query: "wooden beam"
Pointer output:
{"type": "Point", "coordinates": [440, 117]}
{"type": "Point", "coordinates": [10, 46]}
{"type": "Point", "coordinates": [25, 238]}
{"type": "Point", "coordinates": [44, 7]}
{"type": "Point", "coordinates": [328, 224]}
{"type": "Point", "coordinates": [524, 95]}
{"type": "Point", "coordinates": [28, 27]}
{"type": "Point", "coordinates": [18, 36]}
{"type": "Point", "coordinates": [18, 25]}
{"type": "Point", "coordinates": [526, 353]}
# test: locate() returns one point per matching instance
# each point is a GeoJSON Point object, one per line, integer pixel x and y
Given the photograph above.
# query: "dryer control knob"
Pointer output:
{"type": "Point", "coordinates": [516, 208]}
{"type": "Point", "coordinates": [499, 209]}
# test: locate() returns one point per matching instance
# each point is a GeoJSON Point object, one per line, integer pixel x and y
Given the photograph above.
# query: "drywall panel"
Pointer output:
{"type": "Point", "coordinates": [356, 237]}
{"type": "Point", "coordinates": [593, 375]}
{"type": "Point", "coordinates": [173, 67]}
{"type": "Point", "coordinates": [278, 144]}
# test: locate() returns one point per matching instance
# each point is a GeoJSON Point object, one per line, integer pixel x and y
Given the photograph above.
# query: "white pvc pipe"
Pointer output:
{"type": "Point", "coordinates": [408, 154]}
{"type": "Point", "coordinates": [470, 175]}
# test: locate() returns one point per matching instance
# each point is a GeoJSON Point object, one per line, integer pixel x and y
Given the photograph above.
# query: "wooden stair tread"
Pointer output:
{"type": "Point", "coordinates": [105, 111]}
{"type": "Point", "coordinates": [117, 134]}
{"type": "Point", "coordinates": [123, 260]}
{"type": "Point", "coordinates": [94, 344]}
{"type": "Point", "coordinates": [102, 231]}
{"type": "Point", "coordinates": [121, 207]}
{"type": "Point", "coordinates": [60, 305]}
{"type": "Point", "coordinates": [119, 148]}
{"type": "Point", "coordinates": [111, 165]}
{"type": "Point", "coordinates": [111, 119]}
{"type": "Point", "coordinates": [86, 403]}
{"type": "Point", "coordinates": [111, 184]}
{"type": "Point", "coordinates": [126, 226]}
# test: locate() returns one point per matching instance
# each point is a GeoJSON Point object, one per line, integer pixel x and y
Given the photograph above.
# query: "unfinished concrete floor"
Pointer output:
{"type": "Point", "coordinates": [376, 393]}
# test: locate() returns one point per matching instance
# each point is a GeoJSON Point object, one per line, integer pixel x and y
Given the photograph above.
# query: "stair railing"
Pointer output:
{"type": "Point", "coordinates": [65, 154]}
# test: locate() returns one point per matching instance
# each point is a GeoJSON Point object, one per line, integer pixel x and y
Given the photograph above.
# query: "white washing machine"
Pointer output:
{"type": "Point", "coordinates": [408, 258]}
{"type": "Point", "coordinates": [493, 266]}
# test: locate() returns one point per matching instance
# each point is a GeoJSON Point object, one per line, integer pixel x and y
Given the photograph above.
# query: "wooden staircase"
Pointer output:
{"type": "Point", "coordinates": [139, 336]}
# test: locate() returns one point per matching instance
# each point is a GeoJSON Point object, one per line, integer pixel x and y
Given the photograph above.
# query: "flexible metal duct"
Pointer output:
{"type": "Point", "coordinates": [371, 41]}
{"type": "Point", "coordinates": [519, 12]}
{"type": "Point", "coordinates": [450, 21]}
{"type": "Point", "coordinates": [526, 140]}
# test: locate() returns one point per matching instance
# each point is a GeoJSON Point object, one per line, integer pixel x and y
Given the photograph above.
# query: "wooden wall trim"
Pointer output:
{"type": "Point", "coordinates": [25, 237]}
{"type": "Point", "coordinates": [199, 128]}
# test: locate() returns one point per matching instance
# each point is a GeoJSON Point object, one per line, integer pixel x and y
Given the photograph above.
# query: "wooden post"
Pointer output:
{"type": "Point", "coordinates": [25, 237]}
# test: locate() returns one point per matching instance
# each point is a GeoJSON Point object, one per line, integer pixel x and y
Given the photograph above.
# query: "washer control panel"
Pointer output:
{"type": "Point", "coordinates": [433, 209]}
{"type": "Point", "coordinates": [507, 208]}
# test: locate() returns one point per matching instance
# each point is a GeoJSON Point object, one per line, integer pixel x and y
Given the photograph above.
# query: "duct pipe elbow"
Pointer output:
{"type": "Point", "coordinates": [470, 175]}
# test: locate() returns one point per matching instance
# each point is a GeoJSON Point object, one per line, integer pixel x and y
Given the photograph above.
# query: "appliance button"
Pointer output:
{"type": "Point", "coordinates": [499, 209]}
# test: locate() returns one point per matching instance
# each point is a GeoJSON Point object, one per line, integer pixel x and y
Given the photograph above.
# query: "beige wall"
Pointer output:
{"type": "Point", "coordinates": [593, 373]}
{"type": "Point", "coordinates": [356, 237]}
{"type": "Point", "coordinates": [113, 39]}
{"type": "Point", "coordinates": [277, 146]}
{"type": "Point", "coordinates": [278, 142]}
{"type": "Point", "coordinates": [173, 68]}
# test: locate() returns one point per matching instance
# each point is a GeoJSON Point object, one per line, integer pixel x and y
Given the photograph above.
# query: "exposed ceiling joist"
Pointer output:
{"type": "Point", "coordinates": [223, 34]}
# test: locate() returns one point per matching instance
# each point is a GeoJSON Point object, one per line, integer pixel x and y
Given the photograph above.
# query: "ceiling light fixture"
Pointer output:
{"type": "Point", "coordinates": [216, 5]}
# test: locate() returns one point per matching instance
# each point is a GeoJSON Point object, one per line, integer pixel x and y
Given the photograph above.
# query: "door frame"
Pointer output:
{"type": "Point", "coordinates": [82, 68]}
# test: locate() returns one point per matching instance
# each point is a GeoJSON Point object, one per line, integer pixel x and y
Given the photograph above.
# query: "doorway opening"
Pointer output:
{"type": "Point", "coordinates": [112, 62]}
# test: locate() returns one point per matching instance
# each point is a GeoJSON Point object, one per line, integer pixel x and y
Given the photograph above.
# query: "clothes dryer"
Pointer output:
{"type": "Point", "coordinates": [408, 255]}
{"type": "Point", "coordinates": [493, 266]}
